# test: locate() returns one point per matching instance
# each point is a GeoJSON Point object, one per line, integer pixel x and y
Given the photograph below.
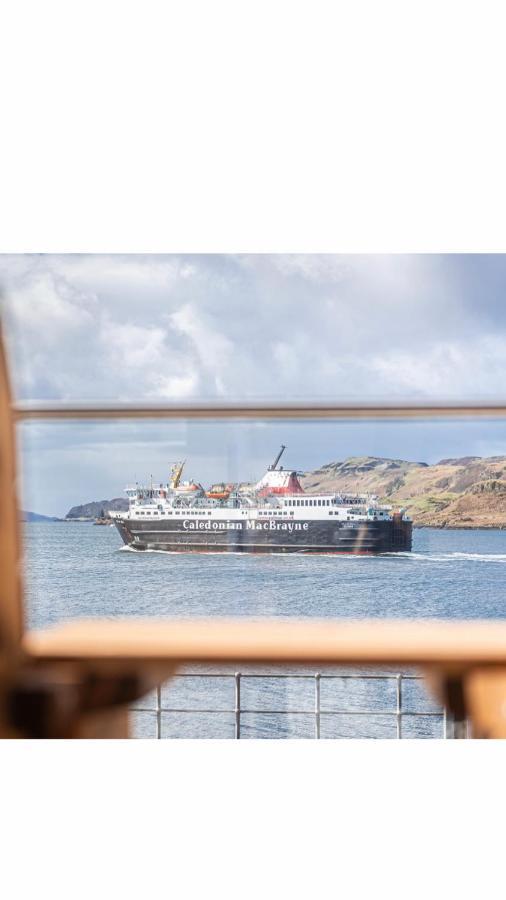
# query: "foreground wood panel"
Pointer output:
{"type": "Point", "coordinates": [455, 645]}
{"type": "Point", "coordinates": [464, 662]}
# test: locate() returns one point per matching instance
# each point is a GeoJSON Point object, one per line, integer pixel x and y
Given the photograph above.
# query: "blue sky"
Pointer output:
{"type": "Point", "coordinates": [246, 327]}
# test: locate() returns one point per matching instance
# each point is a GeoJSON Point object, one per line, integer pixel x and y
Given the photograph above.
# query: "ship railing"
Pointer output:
{"type": "Point", "coordinates": [409, 714]}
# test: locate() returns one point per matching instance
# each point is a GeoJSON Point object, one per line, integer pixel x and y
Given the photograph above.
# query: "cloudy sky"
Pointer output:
{"type": "Point", "coordinates": [246, 327]}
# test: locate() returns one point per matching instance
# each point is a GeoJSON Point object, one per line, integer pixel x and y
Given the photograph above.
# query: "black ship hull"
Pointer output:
{"type": "Point", "coordinates": [251, 536]}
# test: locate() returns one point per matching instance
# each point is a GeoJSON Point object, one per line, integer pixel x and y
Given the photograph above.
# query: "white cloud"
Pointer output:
{"type": "Point", "coordinates": [252, 326]}
{"type": "Point", "coordinates": [130, 345]}
{"type": "Point", "coordinates": [179, 386]}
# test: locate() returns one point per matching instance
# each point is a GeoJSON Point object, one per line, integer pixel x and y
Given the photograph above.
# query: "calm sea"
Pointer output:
{"type": "Point", "coordinates": [75, 570]}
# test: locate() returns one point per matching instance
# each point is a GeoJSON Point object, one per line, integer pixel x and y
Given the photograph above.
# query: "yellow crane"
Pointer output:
{"type": "Point", "coordinates": [175, 474]}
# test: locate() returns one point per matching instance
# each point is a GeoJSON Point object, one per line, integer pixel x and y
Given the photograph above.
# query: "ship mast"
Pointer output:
{"type": "Point", "coordinates": [278, 457]}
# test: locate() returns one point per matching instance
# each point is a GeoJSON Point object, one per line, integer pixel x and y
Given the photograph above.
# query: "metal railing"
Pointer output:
{"type": "Point", "coordinates": [398, 712]}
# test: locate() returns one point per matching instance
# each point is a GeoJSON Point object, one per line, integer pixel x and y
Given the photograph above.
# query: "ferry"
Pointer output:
{"type": "Point", "coordinates": [275, 515]}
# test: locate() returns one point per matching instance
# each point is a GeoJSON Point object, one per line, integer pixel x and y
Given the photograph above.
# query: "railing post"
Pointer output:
{"type": "Point", "coordinates": [237, 680]}
{"type": "Point", "coordinates": [317, 706]}
{"type": "Point", "coordinates": [398, 711]}
{"type": "Point", "coordinates": [158, 711]}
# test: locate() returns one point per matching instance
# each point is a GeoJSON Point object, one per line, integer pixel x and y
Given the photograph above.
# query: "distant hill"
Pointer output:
{"type": "Point", "coordinates": [94, 509]}
{"type": "Point", "coordinates": [469, 492]}
{"type": "Point", "coordinates": [28, 516]}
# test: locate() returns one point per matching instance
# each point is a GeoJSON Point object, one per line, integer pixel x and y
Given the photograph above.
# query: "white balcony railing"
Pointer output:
{"type": "Point", "coordinates": [194, 704]}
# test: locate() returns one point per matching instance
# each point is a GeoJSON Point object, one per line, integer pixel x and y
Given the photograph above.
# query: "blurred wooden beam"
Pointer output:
{"type": "Point", "coordinates": [259, 411]}
{"type": "Point", "coordinates": [11, 605]}
{"type": "Point", "coordinates": [485, 699]}
{"type": "Point", "coordinates": [103, 643]}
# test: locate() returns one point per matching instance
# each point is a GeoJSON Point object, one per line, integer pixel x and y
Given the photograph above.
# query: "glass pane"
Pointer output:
{"type": "Point", "coordinates": [267, 569]}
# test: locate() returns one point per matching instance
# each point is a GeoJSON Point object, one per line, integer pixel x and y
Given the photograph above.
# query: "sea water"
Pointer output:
{"type": "Point", "coordinates": [76, 570]}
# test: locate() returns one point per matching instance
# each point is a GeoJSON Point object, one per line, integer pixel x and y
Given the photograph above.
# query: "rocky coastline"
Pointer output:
{"type": "Point", "coordinates": [466, 492]}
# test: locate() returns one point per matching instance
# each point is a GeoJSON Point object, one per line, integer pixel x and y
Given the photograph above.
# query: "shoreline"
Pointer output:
{"type": "Point", "coordinates": [461, 527]}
